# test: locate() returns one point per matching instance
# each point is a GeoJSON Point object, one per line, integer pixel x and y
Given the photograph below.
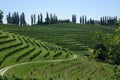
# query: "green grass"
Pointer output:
{"type": "Point", "coordinates": [75, 37]}
{"type": "Point", "coordinates": [22, 48]}
{"type": "Point", "coordinates": [48, 42]}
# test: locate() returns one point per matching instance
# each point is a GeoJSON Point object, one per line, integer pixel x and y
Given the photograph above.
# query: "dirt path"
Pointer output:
{"type": "Point", "coordinates": [5, 69]}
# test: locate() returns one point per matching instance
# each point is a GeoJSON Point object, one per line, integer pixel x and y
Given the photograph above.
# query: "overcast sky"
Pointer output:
{"type": "Point", "coordinates": [62, 8]}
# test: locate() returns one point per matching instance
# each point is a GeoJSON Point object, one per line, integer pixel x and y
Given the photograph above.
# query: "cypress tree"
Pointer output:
{"type": "Point", "coordinates": [1, 16]}
{"type": "Point", "coordinates": [51, 19]}
{"type": "Point", "coordinates": [17, 18]}
{"type": "Point", "coordinates": [73, 18]}
{"type": "Point", "coordinates": [85, 19]}
{"type": "Point", "coordinates": [9, 19]}
{"type": "Point", "coordinates": [47, 19]}
{"type": "Point", "coordinates": [41, 18]}
{"type": "Point", "coordinates": [24, 22]}
{"type": "Point", "coordinates": [55, 20]}
{"type": "Point", "coordinates": [38, 20]}
{"type": "Point", "coordinates": [32, 20]}
{"type": "Point", "coordinates": [80, 20]}
{"type": "Point", "coordinates": [22, 19]}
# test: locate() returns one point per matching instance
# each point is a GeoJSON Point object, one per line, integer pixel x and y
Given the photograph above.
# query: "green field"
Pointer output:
{"type": "Point", "coordinates": [48, 52]}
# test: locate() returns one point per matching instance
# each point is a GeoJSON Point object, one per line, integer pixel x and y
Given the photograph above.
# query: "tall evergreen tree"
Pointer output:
{"type": "Point", "coordinates": [73, 18]}
{"type": "Point", "coordinates": [55, 19]}
{"type": "Point", "coordinates": [105, 20]}
{"type": "Point", "coordinates": [34, 20]}
{"type": "Point", "coordinates": [85, 19]}
{"type": "Point", "coordinates": [80, 20]}
{"type": "Point", "coordinates": [51, 19]}
{"type": "Point", "coordinates": [17, 18]}
{"type": "Point", "coordinates": [47, 19]}
{"type": "Point", "coordinates": [38, 20]}
{"type": "Point", "coordinates": [31, 19]}
{"type": "Point", "coordinates": [101, 20]}
{"type": "Point", "coordinates": [9, 19]}
{"type": "Point", "coordinates": [1, 16]}
{"type": "Point", "coordinates": [41, 18]}
{"type": "Point", "coordinates": [22, 19]}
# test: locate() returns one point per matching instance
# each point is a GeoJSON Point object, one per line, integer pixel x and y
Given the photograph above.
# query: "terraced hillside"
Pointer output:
{"type": "Point", "coordinates": [25, 57]}
{"type": "Point", "coordinates": [18, 49]}
{"type": "Point", "coordinates": [75, 37]}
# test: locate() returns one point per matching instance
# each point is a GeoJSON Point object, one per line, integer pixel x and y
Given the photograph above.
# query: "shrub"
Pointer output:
{"type": "Point", "coordinates": [107, 47]}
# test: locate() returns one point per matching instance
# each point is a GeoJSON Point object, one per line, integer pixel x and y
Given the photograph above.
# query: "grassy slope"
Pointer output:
{"type": "Point", "coordinates": [72, 36]}
{"type": "Point", "coordinates": [18, 49]}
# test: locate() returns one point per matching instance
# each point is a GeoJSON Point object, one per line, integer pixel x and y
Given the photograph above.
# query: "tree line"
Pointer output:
{"type": "Point", "coordinates": [108, 20]}
{"type": "Point", "coordinates": [15, 18]}
{"type": "Point", "coordinates": [19, 19]}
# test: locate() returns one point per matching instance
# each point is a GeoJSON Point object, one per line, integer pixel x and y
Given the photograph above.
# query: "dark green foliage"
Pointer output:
{"type": "Point", "coordinates": [50, 78]}
{"type": "Point", "coordinates": [64, 21]}
{"type": "Point", "coordinates": [101, 55]}
{"type": "Point", "coordinates": [83, 20]}
{"type": "Point", "coordinates": [1, 16]}
{"type": "Point", "coordinates": [91, 21]}
{"type": "Point", "coordinates": [22, 19]}
{"type": "Point", "coordinates": [13, 19]}
{"type": "Point", "coordinates": [34, 19]}
{"type": "Point", "coordinates": [116, 73]}
{"type": "Point", "coordinates": [4, 36]}
{"type": "Point", "coordinates": [80, 20]}
{"type": "Point", "coordinates": [47, 19]}
{"type": "Point", "coordinates": [105, 20]}
{"type": "Point", "coordinates": [108, 46]}
{"type": "Point", "coordinates": [40, 19]}
{"type": "Point", "coordinates": [9, 19]}
{"type": "Point", "coordinates": [31, 19]}
{"type": "Point", "coordinates": [73, 18]}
